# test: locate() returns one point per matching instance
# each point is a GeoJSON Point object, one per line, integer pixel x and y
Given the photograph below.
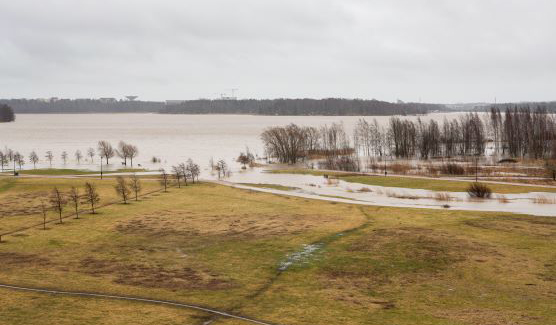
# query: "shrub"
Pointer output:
{"type": "Point", "coordinates": [400, 168]}
{"type": "Point", "coordinates": [452, 169]}
{"type": "Point", "coordinates": [507, 160]}
{"type": "Point", "coordinates": [478, 190]}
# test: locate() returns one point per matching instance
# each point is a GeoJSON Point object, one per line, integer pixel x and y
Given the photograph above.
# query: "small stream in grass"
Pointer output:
{"type": "Point", "coordinates": [309, 186]}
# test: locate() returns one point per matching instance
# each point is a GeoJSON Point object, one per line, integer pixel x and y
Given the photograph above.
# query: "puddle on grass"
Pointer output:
{"type": "Point", "coordinates": [300, 257]}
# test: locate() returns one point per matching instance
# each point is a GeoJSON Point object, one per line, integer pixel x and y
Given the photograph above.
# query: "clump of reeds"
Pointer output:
{"type": "Point", "coordinates": [364, 190]}
{"type": "Point", "coordinates": [479, 191]}
{"type": "Point", "coordinates": [541, 199]}
{"type": "Point", "coordinates": [443, 196]}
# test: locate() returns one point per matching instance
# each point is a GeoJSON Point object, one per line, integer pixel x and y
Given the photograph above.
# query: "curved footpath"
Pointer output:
{"type": "Point", "coordinates": [138, 299]}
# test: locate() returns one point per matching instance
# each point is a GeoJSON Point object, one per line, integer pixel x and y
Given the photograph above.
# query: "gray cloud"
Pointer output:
{"type": "Point", "coordinates": [436, 50]}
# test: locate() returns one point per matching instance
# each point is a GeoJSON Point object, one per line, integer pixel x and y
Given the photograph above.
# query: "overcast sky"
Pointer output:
{"type": "Point", "coordinates": [433, 50]}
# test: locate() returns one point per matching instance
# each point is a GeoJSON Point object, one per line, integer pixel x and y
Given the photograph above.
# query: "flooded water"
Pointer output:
{"type": "Point", "coordinates": [318, 187]}
{"type": "Point", "coordinates": [173, 138]}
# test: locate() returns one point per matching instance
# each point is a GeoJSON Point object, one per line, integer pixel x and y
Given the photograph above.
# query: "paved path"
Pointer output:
{"type": "Point", "coordinates": [137, 299]}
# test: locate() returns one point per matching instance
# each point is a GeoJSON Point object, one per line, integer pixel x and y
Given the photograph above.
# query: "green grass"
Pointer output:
{"type": "Point", "coordinates": [417, 183]}
{"type": "Point", "coordinates": [221, 247]}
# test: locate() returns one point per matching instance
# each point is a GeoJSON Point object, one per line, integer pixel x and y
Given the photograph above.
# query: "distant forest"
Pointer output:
{"type": "Point", "coordinates": [82, 106]}
{"type": "Point", "coordinates": [331, 106]}
{"type": "Point", "coordinates": [6, 113]}
{"type": "Point", "coordinates": [205, 106]}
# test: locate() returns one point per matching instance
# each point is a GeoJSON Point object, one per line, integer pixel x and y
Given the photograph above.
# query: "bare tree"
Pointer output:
{"type": "Point", "coordinates": [49, 156]}
{"type": "Point", "coordinates": [106, 150]}
{"type": "Point", "coordinates": [3, 160]}
{"type": "Point", "coordinates": [184, 172]}
{"type": "Point", "coordinates": [78, 156]}
{"type": "Point", "coordinates": [122, 189]}
{"type": "Point", "coordinates": [177, 171]}
{"type": "Point", "coordinates": [164, 178]}
{"type": "Point", "coordinates": [43, 210]}
{"type": "Point", "coordinates": [34, 158]}
{"type": "Point", "coordinates": [132, 152]}
{"type": "Point", "coordinates": [74, 199]}
{"type": "Point", "coordinates": [19, 159]}
{"type": "Point", "coordinates": [193, 170]}
{"type": "Point", "coordinates": [123, 151]}
{"type": "Point", "coordinates": [91, 153]}
{"type": "Point", "coordinates": [57, 201]}
{"type": "Point", "coordinates": [135, 185]}
{"type": "Point", "coordinates": [64, 157]}
{"type": "Point", "coordinates": [221, 168]}
{"type": "Point", "coordinates": [91, 195]}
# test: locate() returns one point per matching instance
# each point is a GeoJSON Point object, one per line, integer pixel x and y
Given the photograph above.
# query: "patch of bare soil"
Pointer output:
{"type": "Point", "coordinates": [10, 259]}
{"type": "Point", "coordinates": [155, 276]}
{"type": "Point", "coordinates": [531, 226]}
{"type": "Point", "coordinates": [187, 224]}
{"type": "Point", "coordinates": [21, 204]}
{"type": "Point", "coordinates": [406, 254]}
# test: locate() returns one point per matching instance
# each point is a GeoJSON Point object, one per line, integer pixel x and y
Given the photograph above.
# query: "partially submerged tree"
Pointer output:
{"type": "Point", "coordinates": [91, 153]}
{"type": "Point", "coordinates": [74, 197]}
{"type": "Point", "coordinates": [49, 156]}
{"type": "Point", "coordinates": [132, 152]}
{"type": "Point", "coordinates": [221, 168]}
{"type": "Point", "coordinates": [57, 201]}
{"type": "Point", "coordinates": [245, 158]}
{"type": "Point", "coordinates": [91, 195]}
{"type": "Point", "coordinates": [106, 150]}
{"type": "Point", "coordinates": [64, 157]}
{"type": "Point", "coordinates": [122, 189]}
{"type": "Point", "coordinates": [34, 158]}
{"type": "Point", "coordinates": [164, 178]}
{"type": "Point", "coordinates": [78, 156]}
{"type": "Point", "coordinates": [135, 185]}
{"type": "Point", "coordinates": [19, 159]}
{"type": "Point", "coordinates": [3, 160]}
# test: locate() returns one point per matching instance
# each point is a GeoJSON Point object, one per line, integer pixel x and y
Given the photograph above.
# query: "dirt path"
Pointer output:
{"type": "Point", "coordinates": [137, 299]}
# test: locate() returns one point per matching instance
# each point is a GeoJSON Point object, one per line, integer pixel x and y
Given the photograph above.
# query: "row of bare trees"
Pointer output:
{"type": "Point", "coordinates": [124, 150]}
{"type": "Point", "coordinates": [523, 132]}
{"type": "Point", "coordinates": [291, 143]}
{"type": "Point", "coordinates": [519, 132]}
{"type": "Point", "coordinates": [59, 200]}
{"type": "Point", "coordinates": [465, 136]}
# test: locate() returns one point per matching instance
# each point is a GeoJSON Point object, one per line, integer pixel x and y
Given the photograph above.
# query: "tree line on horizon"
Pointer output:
{"type": "Point", "coordinates": [329, 106]}
{"type": "Point", "coordinates": [6, 113]}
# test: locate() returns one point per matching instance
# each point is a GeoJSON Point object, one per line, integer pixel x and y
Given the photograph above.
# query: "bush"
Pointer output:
{"type": "Point", "coordinates": [507, 160]}
{"type": "Point", "coordinates": [400, 168]}
{"type": "Point", "coordinates": [478, 190]}
{"type": "Point", "coordinates": [452, 169]}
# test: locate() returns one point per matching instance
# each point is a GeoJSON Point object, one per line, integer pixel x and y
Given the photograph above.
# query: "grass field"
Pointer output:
{"type": "Point", "coordinates": [417, 183]}
{"type": "Point", "coordinates": [281, 259]}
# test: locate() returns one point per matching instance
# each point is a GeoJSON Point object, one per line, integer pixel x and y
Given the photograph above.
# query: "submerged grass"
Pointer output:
{"type": "Point", "coordinates": [416, 183]}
